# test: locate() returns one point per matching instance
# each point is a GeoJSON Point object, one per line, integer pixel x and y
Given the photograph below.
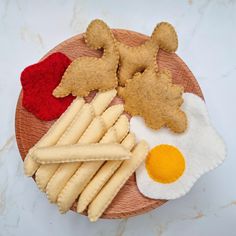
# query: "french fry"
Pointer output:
{"type": "Point", "coordinates": [102, 176]}
{"type": "Point", "coordinates": [71, 136]}
{"type": "Point", "coordinates": [80, 152]}
{"type": "Point", "coordinates": [92, 135]}
{"type": "Point", "coordinates": [53, 134]}
{"type": "Point", "coordinates": [87, 170]}
{"type": "Point", "coordinates": [74, 132]}
{"type": "Point", "coordinates": [113, 186]}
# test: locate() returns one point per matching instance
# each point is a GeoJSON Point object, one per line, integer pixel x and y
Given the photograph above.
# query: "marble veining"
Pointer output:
{"type": "Point", "coordinates": [207, 36]}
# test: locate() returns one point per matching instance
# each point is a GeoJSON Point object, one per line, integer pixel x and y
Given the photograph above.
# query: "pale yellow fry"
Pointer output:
{"type": "Point", "coordinates": [53, 134]}
{"type": "Point", "coordinates": [102, 176]}
{"type": "Point", "coordinates": [109, 116]}
{"type": "Point", "coordinates": [80, 152]}
{"type": "Point", "coordinates": [59, 180]}
{"type": "Point", "coordinates": [113, 186]}
{"type": "Point", "coordinates": [87, 170]}
{"type": "Point", "coordinates": [96, 130]}
{"type": "Point", "coordinates": [102, 100]}
{"type": "Point", "coordinates": [72, 189]}
{"type": "Point", "coordinates": [43, 175]}
{"type": "Point", "coordinates": [92, 135]}
{"type": "Point", "coordinates": [74, 131]}
{"type": "Point", "coordinates": [110, 136]}
{"type": "Point", "coordinates": [99, 124]}
{"type": "Point", "coordinates": [122, 127]}
{"type": "Point", "coordinates": [78, 126]}
{"type": "Point", "coordinates": [118, 131]}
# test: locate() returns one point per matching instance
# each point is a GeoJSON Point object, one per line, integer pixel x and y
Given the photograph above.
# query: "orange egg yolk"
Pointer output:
{"type": "Point", "coordinates": [165, 164]}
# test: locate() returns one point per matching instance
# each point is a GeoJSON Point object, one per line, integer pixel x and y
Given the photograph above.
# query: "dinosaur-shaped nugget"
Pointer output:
{"type": "Point", "coordinates": [153, 96]}
{"type": "Point", "coordinates": [139, 58]}
{"type": "Point", "coordinates": [90, 73]}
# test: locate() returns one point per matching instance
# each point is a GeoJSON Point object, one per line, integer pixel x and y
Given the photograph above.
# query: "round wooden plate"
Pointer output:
{"type": "Point", "coordinates": [29, 129]}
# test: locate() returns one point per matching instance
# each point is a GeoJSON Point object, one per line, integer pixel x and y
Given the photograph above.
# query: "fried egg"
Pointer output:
{"type": "Point", "coordinates": [176, 161]}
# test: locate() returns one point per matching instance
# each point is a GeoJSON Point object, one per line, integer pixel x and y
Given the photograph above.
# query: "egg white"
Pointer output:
{"type": "Point", "coordinates": [201, 146]}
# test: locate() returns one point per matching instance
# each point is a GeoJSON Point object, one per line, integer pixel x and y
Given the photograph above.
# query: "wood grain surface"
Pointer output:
{"type": "Point", "coordinates": [29, 129]}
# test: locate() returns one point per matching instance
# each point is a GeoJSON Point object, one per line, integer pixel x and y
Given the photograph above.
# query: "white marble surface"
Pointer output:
{"type": "Point", "coordinates": [207, 36]}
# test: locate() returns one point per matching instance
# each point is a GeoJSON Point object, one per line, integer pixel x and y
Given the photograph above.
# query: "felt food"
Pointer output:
{"type": "Point", "coordinates": [85, 128]}
{"type": "Point", "coordinates": [88, 169]}
{"type": "Point", "coordinates": [80, 152]}
{"type": "Point", "coordinates": [90, 73]}
{"type": "Point", "coordinates": [140, 58]}
{"type": "Point", "coordinates": [77, 127]}
{"type": "Point", "coordinates": [176, 161]}
{"type": "Point", "coordinates": [153, 96]}
{"type": "Point", "coordinates": [116, 182]}
{"type": "Point", "coordinates": [102, 176]}
{"type": "Point", "coordinates": [38, 82]}
{"type": "Point", "coordinates": [93, 133]}
{"type": "Point", "coordinates": [53, 134]}
{"type": "Point", "coordinates": [87, 159]}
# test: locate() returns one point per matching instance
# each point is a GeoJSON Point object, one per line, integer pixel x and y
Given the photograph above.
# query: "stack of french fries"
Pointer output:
{"type": "Point", "coordinates": [87, 155]}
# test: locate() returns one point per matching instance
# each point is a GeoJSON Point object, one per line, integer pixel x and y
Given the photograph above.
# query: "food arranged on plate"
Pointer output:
{"type": "Point", "coordinates": [135, 120]}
